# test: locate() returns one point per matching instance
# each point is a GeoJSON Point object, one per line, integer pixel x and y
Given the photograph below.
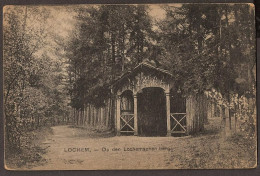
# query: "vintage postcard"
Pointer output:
{"type": "Point", "coordinates": [147, 86]}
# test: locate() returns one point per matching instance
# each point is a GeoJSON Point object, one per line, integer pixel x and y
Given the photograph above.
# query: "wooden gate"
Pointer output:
{"type": "Point", "coordinates": [127, 113]}
{"type": "Point", "coordinates": [127, 123]}
{"type": "Point", "coordinates": [178, 123]}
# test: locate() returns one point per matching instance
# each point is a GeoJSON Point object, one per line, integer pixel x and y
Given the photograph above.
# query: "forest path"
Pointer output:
{"type": "Point", "coordinates": [70, 148]}
{"type": "Point", "coordinates": [67, 149]}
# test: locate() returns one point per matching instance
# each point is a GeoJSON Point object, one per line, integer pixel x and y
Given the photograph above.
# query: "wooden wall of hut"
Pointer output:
{"type": "Point", "coordinates": [196, 113]}
{"type": "Point", "coordinates": [95, 117]}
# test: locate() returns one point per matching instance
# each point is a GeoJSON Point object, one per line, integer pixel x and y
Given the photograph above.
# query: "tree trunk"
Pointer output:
{"type": "Point", "coordinates": [223, 123]}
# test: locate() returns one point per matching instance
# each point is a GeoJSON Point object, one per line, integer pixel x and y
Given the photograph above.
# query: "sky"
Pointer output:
{"type": "Point", "coordinates": [157, 12]}
{"type": "Point", "coordinates": [61, 20]}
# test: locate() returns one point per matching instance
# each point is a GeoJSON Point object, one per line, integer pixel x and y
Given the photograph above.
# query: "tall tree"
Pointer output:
{"type": "Point", "coordinates": [207, 48]}
{"type": "Point", "coordinates": [104, 47]}
{"type": "Point", "coordinates": [32, 80]}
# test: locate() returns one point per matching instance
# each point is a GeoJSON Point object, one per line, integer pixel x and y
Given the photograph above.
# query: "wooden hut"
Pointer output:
{"type": "Point", "coordinates": [147, 102]}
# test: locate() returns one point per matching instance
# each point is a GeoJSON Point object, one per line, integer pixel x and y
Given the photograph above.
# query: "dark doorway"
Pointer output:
{"type": "Point", "coordinates": [151, 105]}
{"type": "Point", "coordinates": [178, 102]}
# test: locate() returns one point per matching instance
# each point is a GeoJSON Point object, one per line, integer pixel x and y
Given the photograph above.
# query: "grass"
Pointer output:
{"type": "Point", "coordinates": [210, 149]}
{"type": "Point", "coordinates": [30, 153]}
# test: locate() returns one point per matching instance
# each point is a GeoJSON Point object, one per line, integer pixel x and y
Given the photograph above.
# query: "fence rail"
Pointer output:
{"type": "Point", "coordinates": [178, 124]}
{"type": "Point", "coordinates": [127, 123]}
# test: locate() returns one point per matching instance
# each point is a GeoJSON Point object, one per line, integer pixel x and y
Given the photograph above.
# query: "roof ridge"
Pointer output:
{"type": "Point", "coordinates": [140, 65]}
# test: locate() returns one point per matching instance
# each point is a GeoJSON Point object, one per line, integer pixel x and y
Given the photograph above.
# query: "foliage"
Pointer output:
{"type": "Point", "coordinates": [32, 96]}
{"type": "Point", "coordinates": [204, 46]}
{"type": "Point", "coordinates": [103, 48]}
{"type": "Point", "coordinates": [211, 48]}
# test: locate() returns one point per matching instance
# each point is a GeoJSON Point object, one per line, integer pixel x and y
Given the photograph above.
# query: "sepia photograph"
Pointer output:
{"type": "Point", "coordinates": [129, 86]}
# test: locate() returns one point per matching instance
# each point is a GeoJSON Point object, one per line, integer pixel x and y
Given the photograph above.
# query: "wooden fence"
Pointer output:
{"type": "Point", "coordinates": [95, 117]}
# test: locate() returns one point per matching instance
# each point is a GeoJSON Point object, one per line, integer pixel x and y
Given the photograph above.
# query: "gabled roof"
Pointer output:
{"type": "Point", "coordinates": [152, 67]}
{"type": "Point", "coordinates": [141, 66]}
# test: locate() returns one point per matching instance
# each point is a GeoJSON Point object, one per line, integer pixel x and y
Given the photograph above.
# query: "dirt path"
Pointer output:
{"type": "Point", "coordinates": [67, 149]}
{"type": "Point", "coordinates": [78, 149]}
